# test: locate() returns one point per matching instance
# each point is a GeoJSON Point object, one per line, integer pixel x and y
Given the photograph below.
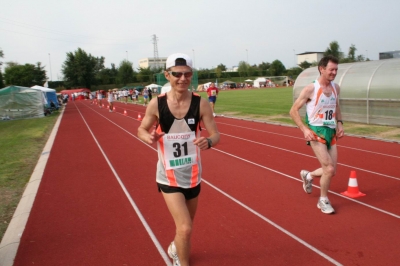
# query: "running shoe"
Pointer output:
{"type": "Point", "coordinates": [173, 255]}
{"type": "Point", "coordinates": [325, 206]}
{"type": "Point", "coordinates": [214, 115]}
{"type": "Point", "coordinates": [307, 184]}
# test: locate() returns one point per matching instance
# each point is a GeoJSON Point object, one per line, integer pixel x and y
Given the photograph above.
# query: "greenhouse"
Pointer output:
{"type": "Point", "coordinates": [369, 91]}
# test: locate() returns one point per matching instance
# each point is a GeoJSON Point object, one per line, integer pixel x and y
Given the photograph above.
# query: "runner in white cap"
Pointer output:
{"type": "Point", "coordinates": [178, 113]}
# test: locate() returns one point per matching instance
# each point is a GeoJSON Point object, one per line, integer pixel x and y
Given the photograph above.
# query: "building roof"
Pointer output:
{"type": "Point", "coordinates": [311, 53]}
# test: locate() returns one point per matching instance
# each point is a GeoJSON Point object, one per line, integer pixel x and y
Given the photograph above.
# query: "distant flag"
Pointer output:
{"type": "Point", "coordinates": [46, 84]}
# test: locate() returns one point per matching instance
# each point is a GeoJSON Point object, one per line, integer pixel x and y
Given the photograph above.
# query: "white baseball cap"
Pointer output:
{"type": "Point", "coordinates": [178, 60]}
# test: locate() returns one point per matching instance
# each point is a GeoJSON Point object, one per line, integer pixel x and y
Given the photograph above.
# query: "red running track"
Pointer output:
{"type": "Point", "coordinates": [98, 203]}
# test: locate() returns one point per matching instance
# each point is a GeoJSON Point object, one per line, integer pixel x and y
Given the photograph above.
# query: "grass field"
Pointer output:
{"type": "Point", "coordinates": [22, 141]}
{"type": "Point", "coordinates": [21, 144]}
{"type": "Point", "coordinates": [273, 105]}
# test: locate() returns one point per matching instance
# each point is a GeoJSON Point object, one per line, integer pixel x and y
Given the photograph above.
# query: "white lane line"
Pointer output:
{"type": "Point", "coordinates": [289, 136]}
{"type": "Point", "coordinates": [139, 214]}
{"type": "Point", "coordinates": [251, 210]}
{"type": "Point", "coordinates": [280, 228]}
{"type": "Point", "coordinates": [306, 155]}
{"type": "Point", "coordinates": [280, 173]}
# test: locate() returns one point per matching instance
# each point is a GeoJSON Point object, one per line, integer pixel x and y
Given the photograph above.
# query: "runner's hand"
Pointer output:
{"type": "Point", "coordinates": [309, 134]}
{"type": "Point", "coordinates": [154, 136]}
{"type": "Point", "coordinates": [201, 142]}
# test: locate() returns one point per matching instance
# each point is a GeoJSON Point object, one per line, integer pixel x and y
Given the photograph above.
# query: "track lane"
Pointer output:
{"type": "Point", "coordinates": [235, 172]}
{"type": "Point", "coordinates": [80, 216]}
{"type": "Point", "coordinates": [144, 208]}
{"type": "Point", "coordinates": [224, 225]}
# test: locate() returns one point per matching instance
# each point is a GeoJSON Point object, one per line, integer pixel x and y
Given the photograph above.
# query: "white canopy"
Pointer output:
{"type": "Point", "coordinates": [260, 80]}
{"type": "Point", "coordinates": [151, 86]}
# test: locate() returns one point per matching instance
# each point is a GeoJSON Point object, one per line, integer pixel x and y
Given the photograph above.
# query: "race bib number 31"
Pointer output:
{"type": "Point", "coordinates": [179, 150]}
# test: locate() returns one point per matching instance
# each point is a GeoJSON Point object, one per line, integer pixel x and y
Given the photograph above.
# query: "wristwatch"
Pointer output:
{"type": "Point", "coordinates": [209, 143]}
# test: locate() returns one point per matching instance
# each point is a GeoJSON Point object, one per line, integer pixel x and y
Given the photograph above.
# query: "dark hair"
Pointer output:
{"type": "Point", "coordinates": [325, 60]}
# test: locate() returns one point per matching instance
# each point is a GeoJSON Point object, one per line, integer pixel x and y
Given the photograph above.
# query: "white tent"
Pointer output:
{"type": "Point", "coordinates": [152, 86]}
{"type": "Point", "coordinates": [166, 88]}
{"type": "Point", "coordinates": [257, 82]}
{"type": "Point", "coordinates": [50, 94]}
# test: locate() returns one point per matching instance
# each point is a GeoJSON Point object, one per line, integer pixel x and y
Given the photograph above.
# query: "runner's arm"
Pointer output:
{"type": "Point", "coordinates": [303, 98]}
{"type": "Point", "coordinates": [208, 119]}
{"type": "Point", "coordinates": [146, 131]}
{"type": "Point", "coordinates": [339, 126]}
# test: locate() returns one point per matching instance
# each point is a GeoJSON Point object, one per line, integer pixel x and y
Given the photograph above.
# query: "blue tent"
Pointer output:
{"type": "Point", "coordinates": [49, 93]}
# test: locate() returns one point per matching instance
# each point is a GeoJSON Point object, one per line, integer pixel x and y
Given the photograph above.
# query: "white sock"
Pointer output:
{"type": "Point", "coordinates": [323, 198]}
{"type": "Point", "coordinates": [309, 177]}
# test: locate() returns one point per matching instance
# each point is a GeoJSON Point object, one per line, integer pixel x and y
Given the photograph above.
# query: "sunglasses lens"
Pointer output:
{"type": "Point", "coordinates": [179, 74]}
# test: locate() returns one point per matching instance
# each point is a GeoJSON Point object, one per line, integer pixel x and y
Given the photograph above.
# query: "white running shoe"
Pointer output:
{"type": "Point", "coordinates": [214, 115]}
{"type": "Point", "coordinates": [173, 254]}
{"type": "Point", "coordinates": [325, 206]}
{"type": "Point", "coordinates": [307, 184]}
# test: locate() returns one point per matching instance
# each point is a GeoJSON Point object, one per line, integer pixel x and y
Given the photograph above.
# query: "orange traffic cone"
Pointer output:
{"type": "Point", "coordinates": [352, 189]}
{"type": "Point", "coordinates": [139, 117]}
{"type": "Point", "coordinates": [125, 112]}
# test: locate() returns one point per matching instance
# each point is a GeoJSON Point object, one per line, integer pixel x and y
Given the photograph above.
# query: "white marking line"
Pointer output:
{"type": "Point", "coordinates": [280, 173]}
{"type": "Point", "coordinates": [306, 155]}
{"type": "Point", "coordinates": [139, 214]}
{"type": "Point", "coordinates": [251, 210]}
{"type": "Point", "coordinates": [275, 225]}
{"type": "Point", "coordinates": [269, 132]}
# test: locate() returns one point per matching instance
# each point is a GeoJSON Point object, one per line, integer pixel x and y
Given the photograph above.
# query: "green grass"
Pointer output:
{"type": "Point", "coordinates": [273, 105]}
{"type": "Point", "coordinates": [21, 144]}
{"type": "Point", "coordinates": [255, 102]}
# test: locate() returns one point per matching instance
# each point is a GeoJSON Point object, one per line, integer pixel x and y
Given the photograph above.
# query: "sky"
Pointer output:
{"type": "Point", "coordinates": [212, 32]}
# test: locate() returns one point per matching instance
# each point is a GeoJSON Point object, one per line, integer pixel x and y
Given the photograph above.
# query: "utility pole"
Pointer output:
{"type": "Point", "coordinates": [156, 58]}
{"type": "Point", "coordinates": [51, 76]}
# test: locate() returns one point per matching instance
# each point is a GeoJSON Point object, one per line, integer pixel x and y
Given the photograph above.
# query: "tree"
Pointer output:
{"type": "Point", "coordinates": [293, 72]}
{"type": "Point", "coordinates": [24, 75]}
{"type": "Point", "coordinates": [125, 72]}
{"type": "Point", "coordinates": [264, 66]}
{"type": "Point", "coordinates": [352, 53]}
{"type": "Point", "coordinates": [277, 68]}
{"type": "Point", "coordinates": [81, 69]}
{"type": "Point", "coordinates": [243, 69]}
{"type": "Point", "coordinates": [145, 74]}
{"type": "Point", "coordinates": [1, 56]}
{"type": "Point", "coordinates": [1, 74]}
{"type": "Point", "coordinates": [222, 67]}
{"type": "Point", "coordinates": [218, 72]}
{"type": "Point", "coordinates": [304, 65]}
{"type": "Point", "coordinates": [333, 49]}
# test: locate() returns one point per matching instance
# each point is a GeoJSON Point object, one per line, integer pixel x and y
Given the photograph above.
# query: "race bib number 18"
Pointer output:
{"type": "Point", "coordinates": [179, 150]}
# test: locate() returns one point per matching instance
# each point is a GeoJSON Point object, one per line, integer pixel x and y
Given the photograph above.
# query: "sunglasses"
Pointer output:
{"type": "Point", "coordinates": [179, 74]}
